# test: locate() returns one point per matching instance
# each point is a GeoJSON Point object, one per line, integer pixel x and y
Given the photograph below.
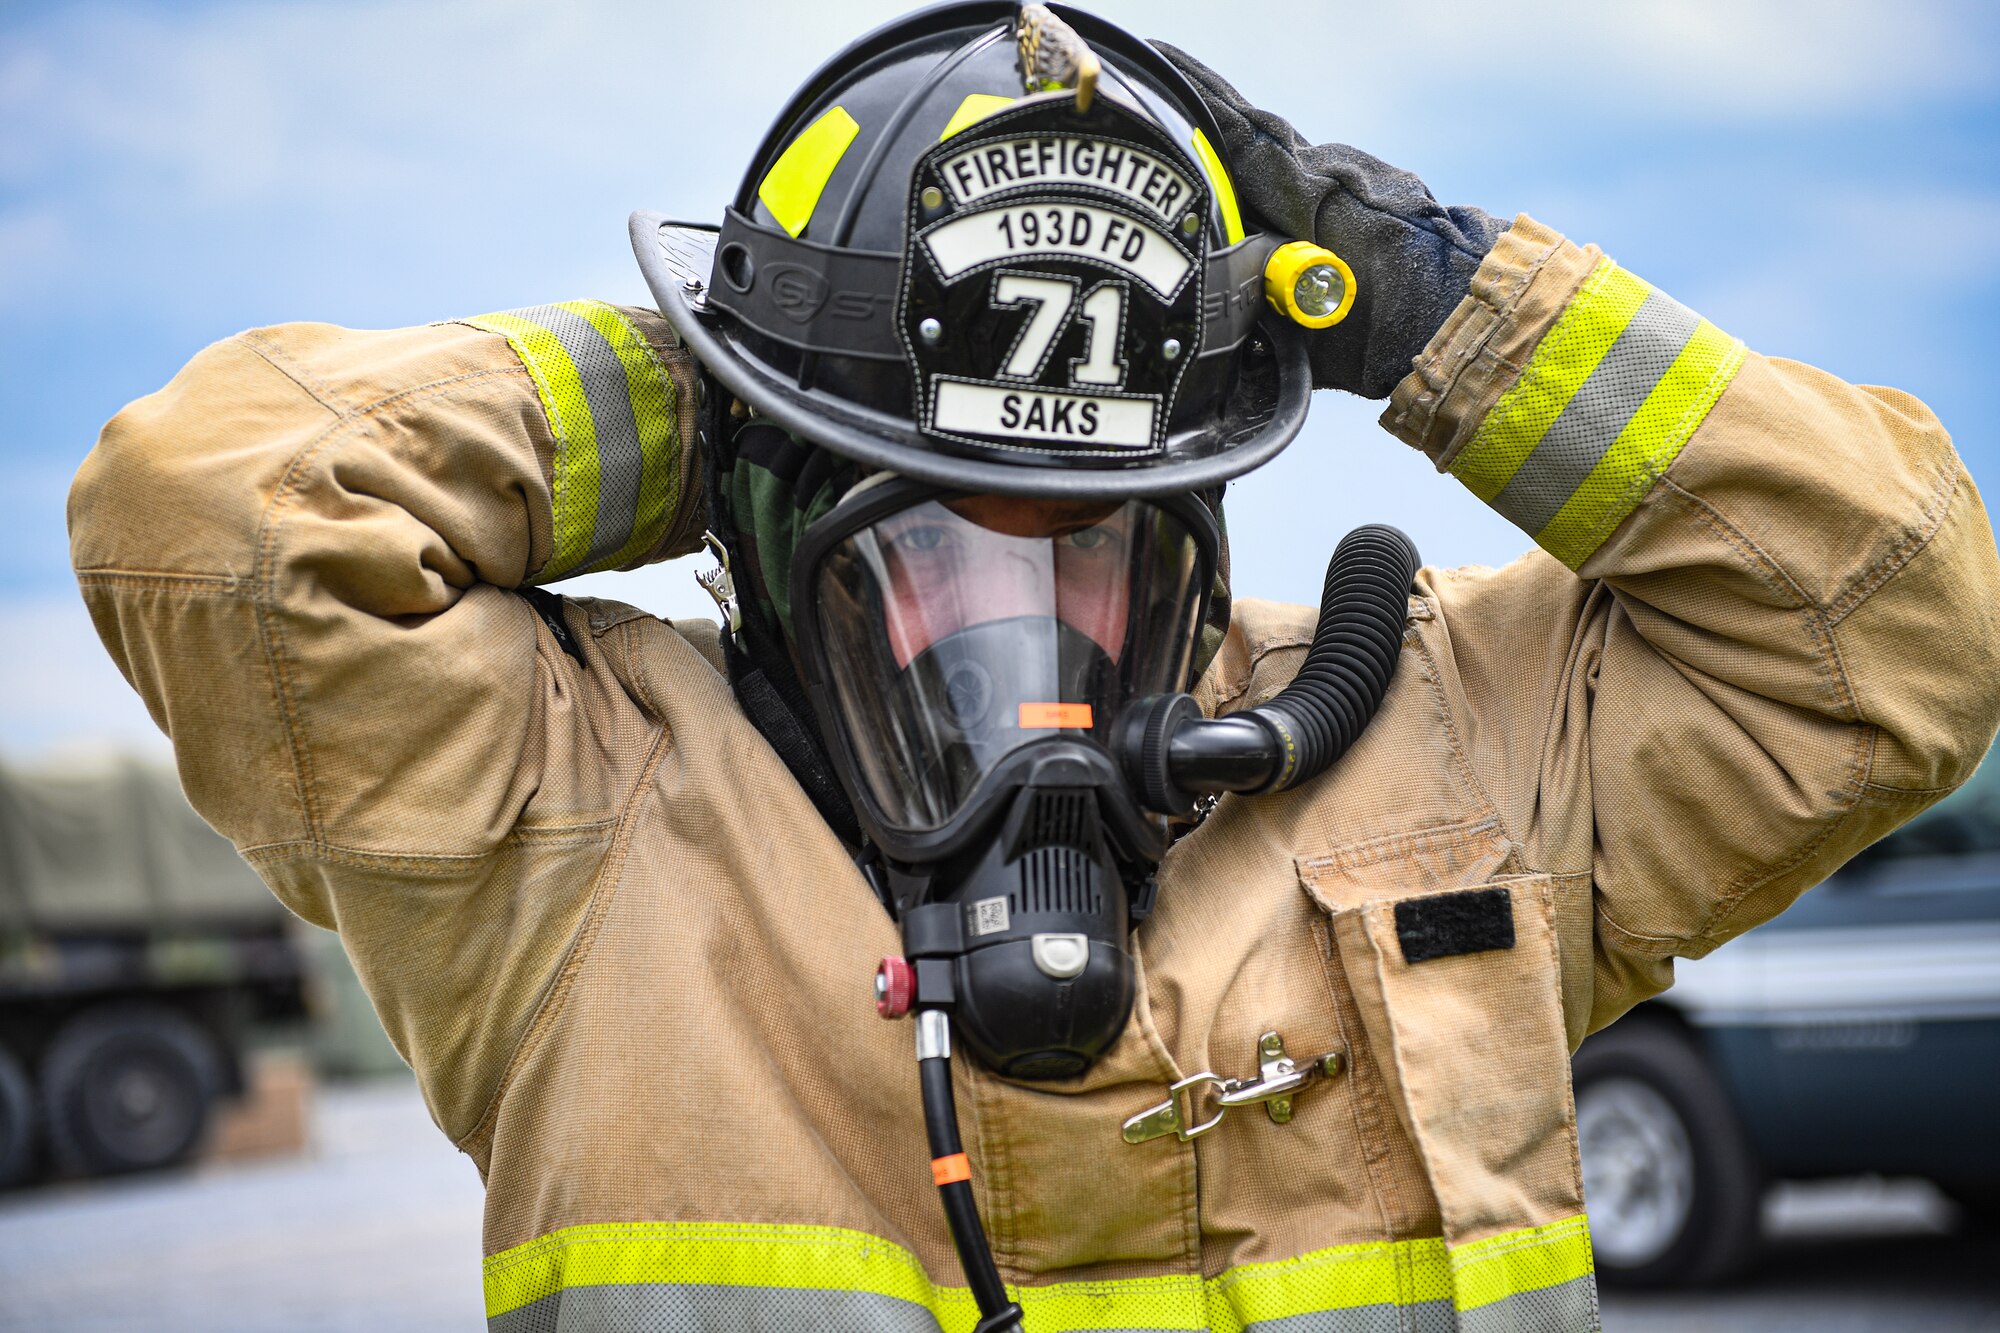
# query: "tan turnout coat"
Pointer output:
{"type": "Point", "coordinates": [631, 967]}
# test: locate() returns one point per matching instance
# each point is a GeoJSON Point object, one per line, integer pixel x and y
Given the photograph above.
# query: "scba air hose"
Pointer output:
{"type": "Point", "coordinates": [1362, 611]}
{"type": "Point", "coordinates": [1172, 754]}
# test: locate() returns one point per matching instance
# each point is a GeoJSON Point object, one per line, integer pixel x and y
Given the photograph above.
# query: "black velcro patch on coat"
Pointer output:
{"type": "Point", "coordinates": [1455, 923]}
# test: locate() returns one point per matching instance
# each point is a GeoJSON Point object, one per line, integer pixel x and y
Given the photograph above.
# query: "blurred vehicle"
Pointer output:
{"type": "Point", "coordinates": [135, 948]}
{"type": "Point", "coordinates": [1858, 1032]}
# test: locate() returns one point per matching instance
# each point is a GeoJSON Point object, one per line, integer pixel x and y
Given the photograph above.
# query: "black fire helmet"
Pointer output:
{"type": "Point", "coordinates": [994, 267]}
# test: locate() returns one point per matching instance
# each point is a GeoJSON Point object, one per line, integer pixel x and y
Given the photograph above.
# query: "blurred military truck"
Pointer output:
{"type": "Point", "coordinates": [137, 951]}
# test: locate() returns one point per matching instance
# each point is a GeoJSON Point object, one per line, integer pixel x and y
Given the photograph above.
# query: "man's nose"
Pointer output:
{"type": "Point", "coordinates": [1012, 583]}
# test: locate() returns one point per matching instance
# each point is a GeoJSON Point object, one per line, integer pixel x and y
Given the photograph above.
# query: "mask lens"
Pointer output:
{"type": "Point", "coordinates": [957, 631]}
{"type": "Point", "coordinates": [968, 562]}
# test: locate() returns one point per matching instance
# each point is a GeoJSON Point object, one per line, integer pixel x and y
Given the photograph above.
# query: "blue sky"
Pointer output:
{"type": "Point", "coordinates": [1820, 179]}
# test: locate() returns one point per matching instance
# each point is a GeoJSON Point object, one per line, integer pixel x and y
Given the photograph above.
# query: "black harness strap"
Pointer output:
{"type": "Point", "coordinates": [549, 606]}
{"type": "Point", "coordinates": [760, 672]}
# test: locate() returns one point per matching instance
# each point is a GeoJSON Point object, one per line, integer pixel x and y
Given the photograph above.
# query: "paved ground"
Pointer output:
{"type": "Point", "coordinates": [378, 1230]}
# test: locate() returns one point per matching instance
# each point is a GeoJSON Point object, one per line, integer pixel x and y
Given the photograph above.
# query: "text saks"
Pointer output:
{"type": "Point", "coordinates": [1028, 414]}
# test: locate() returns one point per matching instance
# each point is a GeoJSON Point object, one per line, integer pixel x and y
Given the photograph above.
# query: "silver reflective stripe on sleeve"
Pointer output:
{"type": "Point", "coordinates": [613, 411]}
{"type": "Point", "coordinates": [1580, 436]}
{"type": "Point", "coordinates": [619, 462]}
{"type": "Point", "coordinates": [1611, 394]}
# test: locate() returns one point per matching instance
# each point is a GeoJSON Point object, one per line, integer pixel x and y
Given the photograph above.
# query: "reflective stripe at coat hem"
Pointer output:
{"type": "Point", "coordinates": [714, 1276]}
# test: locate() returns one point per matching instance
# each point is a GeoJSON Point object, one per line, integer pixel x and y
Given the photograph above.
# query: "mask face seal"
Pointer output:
{"type": "Point", "coordinates": [971, 658]}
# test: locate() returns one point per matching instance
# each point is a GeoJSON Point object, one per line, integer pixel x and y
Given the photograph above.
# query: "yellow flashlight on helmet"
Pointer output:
{"type": "Point", "coordinates": [1309, 284]}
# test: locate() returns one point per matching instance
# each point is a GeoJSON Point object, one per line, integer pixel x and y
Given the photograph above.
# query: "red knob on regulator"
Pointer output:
{"type": "Point", "coordinates": [895, 987]}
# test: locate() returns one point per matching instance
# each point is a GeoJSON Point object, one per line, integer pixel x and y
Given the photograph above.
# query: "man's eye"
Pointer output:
{"type": "Point", "coordinates": [928, 537]}
{"type": "Point", "coordinates": [1089, 539]}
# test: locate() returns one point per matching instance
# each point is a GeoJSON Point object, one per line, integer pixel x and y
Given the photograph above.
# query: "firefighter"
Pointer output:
{"type": "Point", "coordinates": [1268, 931]}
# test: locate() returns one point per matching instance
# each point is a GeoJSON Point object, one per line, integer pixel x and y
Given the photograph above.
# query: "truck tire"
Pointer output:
{"type": "Point", "coordinates": [17, 1120]}
{"type": "Point", "coordinates": [128, 1087]}
{"type": "Point", "coordinates": [1673, 1189]}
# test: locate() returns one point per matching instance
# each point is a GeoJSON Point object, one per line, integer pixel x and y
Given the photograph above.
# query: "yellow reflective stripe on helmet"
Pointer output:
{"type": "Point", "coordinates": [975, 107]}
{"type": "Point", "coordinates": [1610, 395]}
{"type": "Point", "coordinates": [1516, 1261]}
{"type": "Point", "coordinates": [1225, 193]}
{"type": "Point", "coordinates": [839, 1264]}
{"type": "Point", "coordinates": [792, 188]}
{"type": "Point", "coordinates": [611, 408]}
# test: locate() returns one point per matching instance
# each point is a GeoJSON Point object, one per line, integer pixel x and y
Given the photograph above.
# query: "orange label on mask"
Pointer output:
{"type": "Point", "coordinates": [1039, 716]}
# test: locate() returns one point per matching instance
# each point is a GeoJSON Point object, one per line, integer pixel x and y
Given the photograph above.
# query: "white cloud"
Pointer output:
{"type": "Point", "coordinates": [1530, 79]}
{"type": "Point", "coordinates": [327, 104]}
{"type": "Point", "coordinates": [1704, 59]}
{"type": "Point", "coordinates": [383, 161]}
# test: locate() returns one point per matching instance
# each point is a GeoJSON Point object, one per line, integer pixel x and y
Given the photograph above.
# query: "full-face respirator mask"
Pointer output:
{"type": "Point", "coordinates": [972, 656]}
{"type": "Point", "coordinates": [1000, 678]}
{"type": "Point", "coordinates": [989, 259]}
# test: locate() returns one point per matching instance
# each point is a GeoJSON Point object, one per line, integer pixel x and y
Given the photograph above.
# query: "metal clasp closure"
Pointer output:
{"type": "Point", "coordinates": [1279, 1079]}
{"type": "Point", "coordinates": [720, 584]}
{"type": "Point", "coordinates": [1169, 1118]}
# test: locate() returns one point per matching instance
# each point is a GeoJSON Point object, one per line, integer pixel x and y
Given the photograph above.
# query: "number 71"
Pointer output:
{"type": "Point", "coordinates": [1051, 299]}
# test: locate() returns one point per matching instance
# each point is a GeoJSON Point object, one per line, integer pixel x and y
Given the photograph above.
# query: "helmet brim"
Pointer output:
{"type": "Point", "coordinates": [678, 260]}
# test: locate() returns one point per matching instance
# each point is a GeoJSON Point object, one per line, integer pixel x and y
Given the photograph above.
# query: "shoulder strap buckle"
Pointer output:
{"type": "Point", "coordinates": [720, 584]}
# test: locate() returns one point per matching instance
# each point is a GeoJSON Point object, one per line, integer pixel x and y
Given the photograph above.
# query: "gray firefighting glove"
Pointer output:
{"type": "Point", "coordinates": [1413, 258]}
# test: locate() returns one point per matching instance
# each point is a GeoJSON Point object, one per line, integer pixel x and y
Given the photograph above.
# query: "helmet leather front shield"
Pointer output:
{"type": "Point", "coordinates": [949, 633]}
{"type": "Point", "coordinates": [1052, 287]}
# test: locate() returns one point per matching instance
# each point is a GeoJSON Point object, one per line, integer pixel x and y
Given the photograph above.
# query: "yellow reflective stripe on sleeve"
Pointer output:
{"type": "Point", "coordinates": [1567, 355]}
{"type": "Point", "coordinates": [1518, 1261]}
{"type": "Point", "coordinates": [822, 1274]}
{"type": "Point", "coordinates": [975, 107]}
{"type": "Point", "coordinates": [1606, 402]}
{"type": "Point", "coordinates": [1225, 192]}
{"type": "Point", "coordinates": [612, 410]}
{"type": "Point", "coordinates": [1650, 441]}
{"type": "Point", "coordinates": [792, 188]}
{"type": "Point", "coordinates": [656, 417]}
{"type": "Point", "coordinates": [568, 410]}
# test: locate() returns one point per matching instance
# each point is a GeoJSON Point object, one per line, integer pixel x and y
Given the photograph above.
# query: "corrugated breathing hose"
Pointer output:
{"type": "Point", "coordinates": [1172, 754]}
{"type": "Point", "coordinates": [1362, 611]}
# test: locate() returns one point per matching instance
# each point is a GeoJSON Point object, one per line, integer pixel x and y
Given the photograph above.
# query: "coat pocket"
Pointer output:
{"type": "Point", "coordinates": [1459, 993]}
